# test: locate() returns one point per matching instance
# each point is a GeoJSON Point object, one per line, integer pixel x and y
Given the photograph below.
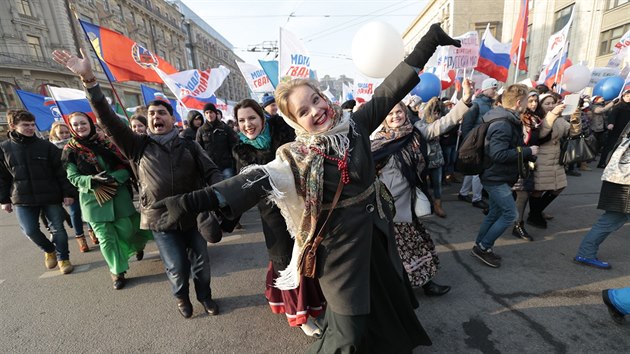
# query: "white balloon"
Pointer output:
{"type": "Point", "coordinates": [377, 48]}
{"type": "Point", "coordinates": [576, 77]}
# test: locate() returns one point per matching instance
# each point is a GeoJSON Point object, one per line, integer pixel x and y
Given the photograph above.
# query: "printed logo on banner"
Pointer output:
{"type": "Point", "coordinates": [143, 56]}
{"type": "Point", "coordinates": [196, 85]}
{"type": "Point", "coordinates": [259, 78]}
{"type": "Point", "coordinates": [54, 110]}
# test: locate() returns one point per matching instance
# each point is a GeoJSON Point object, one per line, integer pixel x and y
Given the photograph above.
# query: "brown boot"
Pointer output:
{"type": "Point", "coordinates": [83, 246]}
{"type": "Point", "coordinates": [437, 208]}
{"type": "Point", "coordinates": [584, 167]}
{"type": "Point", "coordinates": [93, 237]}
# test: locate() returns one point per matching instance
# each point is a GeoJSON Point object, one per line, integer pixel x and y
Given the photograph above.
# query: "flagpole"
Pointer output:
{"type": "Point", "coordinates": [518, 60]}
{"type": "Point", "coordinates": [87, 38]}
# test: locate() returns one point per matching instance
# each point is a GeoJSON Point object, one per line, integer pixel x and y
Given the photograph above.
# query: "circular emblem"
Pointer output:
{"type": "Point", "coordinates": [143, 56]}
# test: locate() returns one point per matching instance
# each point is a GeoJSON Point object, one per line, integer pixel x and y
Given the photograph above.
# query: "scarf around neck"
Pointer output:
{"type": "Point", "coordinates": [387, 135]}
{"type": "Point", "coordinates": [83, 153]}
{"type": "Point", "coordinates": [261, 142]}
{"type": "Point", "coordinates": [297, 181]}
{"type": "Point", "coordinates": [164, 139]}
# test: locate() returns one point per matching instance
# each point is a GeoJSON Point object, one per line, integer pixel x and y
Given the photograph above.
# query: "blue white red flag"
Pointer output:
{"type": "Point", "coordinates": [494, 57]}
{"type": "Point", "coordinates": [554, 71]}
{"type": "Point", "coordinates": [43, 108]}
{"type": "Point", "coordinates": [150, 94]}
{"type": "Point", "coordinates": [71, 100]}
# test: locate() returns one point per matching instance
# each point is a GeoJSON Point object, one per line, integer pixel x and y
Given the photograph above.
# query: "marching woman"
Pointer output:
{"type": "Point", "coordinates": [101, 174]}
{"type": "Point", "coordinates": [399, 149]}
{"type": "Point", "coordinates": [258, 137]}
{"type": "Point", "coordinates": [335, 208]}
{"type": "Point", "coordinates": [550, 178]}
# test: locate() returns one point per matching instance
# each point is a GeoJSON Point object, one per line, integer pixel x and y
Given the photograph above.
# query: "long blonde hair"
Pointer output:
{"type": "Point", "coordinates": [434, 105]}
{"type": "Point", "coordinates": [54, 131]}
{"type": "Point", "coordinates": [285, 89]}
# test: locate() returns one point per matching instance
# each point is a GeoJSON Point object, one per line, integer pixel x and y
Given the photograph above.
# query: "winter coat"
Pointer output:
{"type": "Point", "coordinates": [281, 132]}
{"type": "Point", "coordinates": [189, 133]}
{"type": "Point", "coordinates": [31, 172]}
{"type": "Point", "coordinates": [343, 257]}
{"type": "Point", "coordinates": [162, 171]}
{"type": "Point", "coordinates": [121, 205]}
{"type": "Point", "coordinates": [549, 174]}
{"type": "Point", "coordinates": [481, 105]}
{"type": "Point", "coordinates": [218, 139]}
{"type": "Point", "coordinates": [502, 139]}
{"type": "Point", "coordinates": [615, 196]}
{"type": "Point", "coordinates": [619, 116]}
{"type": "Point", "coordinates": [598, 116]}
{"type": "Point", "coordinates": [393, 179]}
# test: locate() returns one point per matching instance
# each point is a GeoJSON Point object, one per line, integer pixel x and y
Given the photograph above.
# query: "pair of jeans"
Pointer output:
{"type": "Point", "coordinates": [436, 182]}
{"type": "Point", "coordinates": [620, 298]}
{"type": "Point", "coordinates": [28, 217]}
{"type": "Point", "coordinates": [450, 155]}
{"type": "Point", "coordinates": [76, 217]}
{"type": "Point", "coordinates": [183, 253]}
{"type": "Point", "coordinates": [472, 183]}
{"type": "Point", "coordinates": [608, 223]}
{"type": "Point", "coordinates": [501, 215]}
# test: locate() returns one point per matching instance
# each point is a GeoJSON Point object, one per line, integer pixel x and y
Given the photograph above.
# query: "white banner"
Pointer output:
{"type": "Point", "coordinates": [602, 72]}
{"type": "Point", "coordinates": [557, 42]}
{"type": "Point", "coordinates": [295, 60]}
{"type": "Point", "coordinates": [364, 86]}
{"type": "Point", "coordinates": [195, 83]}
{"type": "Point", "coordinates": [256, 78]}
{"type": "Point", "coordinates": [451, 57]}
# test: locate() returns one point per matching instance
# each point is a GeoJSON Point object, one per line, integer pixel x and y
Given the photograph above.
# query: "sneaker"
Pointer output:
{"type": "Point", "coordinates": [616, 315]}
{"type": "Point", "coordinates": [65, 267]}
{"type": "Point", "coordinates": [480, 204]}
{"type": "Point", "coordinates": [488, 257]}
{"type": "Point", "coordinates": [592, 262]}
{"type": "Point", "coordinates": [464, 198]}
{"type": "Point", "coordinates": [50, 259]}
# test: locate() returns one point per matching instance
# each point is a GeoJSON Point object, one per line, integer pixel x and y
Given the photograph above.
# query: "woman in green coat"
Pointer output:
{"type": "Point", "coordinates": [101, 174]}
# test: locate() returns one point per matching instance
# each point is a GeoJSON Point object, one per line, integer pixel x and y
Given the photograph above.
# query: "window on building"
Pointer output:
{"type": "Point", "coordinates": [121, 15]}
{"type": "Point", "coordinates": [106, 5]}
{"type": "Point", "coordinates": [615, 3]}
{"type": "Point", "coordinates": [178, 63]}
{"type": "Point", "coordinates": [480, 27]}
{"type": "Point", "coordinates": [87, 18]}
{"type": "Point", "coordinates": [34, 47]}
{"type": "Point", "coordinates": [189, 56]}
{"type": "Point", "coordinates": [562, 18]}
{"type": "Point", "coordinates": [144, 24]}
{"type": "Point", "coordinates": [24, 8]}
{"type": "Point", "coordinates": [132, 99]}
{"type": "Point", "coordinates": [609, 38]}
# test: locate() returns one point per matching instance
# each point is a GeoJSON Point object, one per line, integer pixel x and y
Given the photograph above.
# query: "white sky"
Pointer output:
{"type": "Point", "coordinates": [326, 27]}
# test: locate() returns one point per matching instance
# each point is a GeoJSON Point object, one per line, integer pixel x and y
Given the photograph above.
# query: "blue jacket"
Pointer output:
{"type": "Point", "coordinates": [501, 141]}
{"type": "Point", "coordinates": [481, 105]}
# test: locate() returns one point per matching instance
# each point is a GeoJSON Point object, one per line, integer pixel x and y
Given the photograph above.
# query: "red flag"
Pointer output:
{"type": "Point", "coordinates": [122, 58]}
{"type": "Point", "coordinates": [520, 37]}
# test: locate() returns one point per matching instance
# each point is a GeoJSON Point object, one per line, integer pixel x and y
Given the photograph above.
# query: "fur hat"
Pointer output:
{"type": "Point", "coordinates": [267, 99]}
{"type": "Point", "coordinates": [210, 107]}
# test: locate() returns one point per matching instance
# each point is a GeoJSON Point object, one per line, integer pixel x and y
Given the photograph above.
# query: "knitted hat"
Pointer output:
{"type": "Point", "coordinates": [210, 107]}
{"type": "Point", "coordinates": [542, 97]}
{"type": "Point", "coordinates": [267, 100]}
{"type": "Point", "coordinates": [489, 83]}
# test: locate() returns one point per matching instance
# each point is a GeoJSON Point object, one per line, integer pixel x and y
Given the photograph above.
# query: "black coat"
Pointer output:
{"type": "Point", "coordinates": [31, 172]}
{"type": "Point", "coordinates": [343, 258]}
{"type": "Point", "coordinates": [218, 139]}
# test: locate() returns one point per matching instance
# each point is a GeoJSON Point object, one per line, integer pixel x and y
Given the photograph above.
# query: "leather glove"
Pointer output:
{"type": "Point", "coordinates": [180, 205]}
{"type": "Point", "coordinates": [103, 178]}
{"type": "Point", "coordinates": [427, 45]}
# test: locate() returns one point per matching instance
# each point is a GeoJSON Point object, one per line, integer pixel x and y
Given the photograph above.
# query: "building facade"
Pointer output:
{"type": "Point", "coordinates": [32, 29]}
{"type": "Point", "coordinates": [597, 25]}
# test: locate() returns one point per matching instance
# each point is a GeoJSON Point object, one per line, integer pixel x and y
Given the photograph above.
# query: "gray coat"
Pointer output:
{"type": "Point", "coordinates": [343, 258]}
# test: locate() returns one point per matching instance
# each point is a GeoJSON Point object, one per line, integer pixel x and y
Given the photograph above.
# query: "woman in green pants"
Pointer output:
{"type": "Point", "coordinates": [101, 174]}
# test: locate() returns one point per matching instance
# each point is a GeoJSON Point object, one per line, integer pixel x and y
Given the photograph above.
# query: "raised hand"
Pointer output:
{"type": "Point", "coordinates": [467, 88]}
{"type": "Point", "coordinates": [80, 66]}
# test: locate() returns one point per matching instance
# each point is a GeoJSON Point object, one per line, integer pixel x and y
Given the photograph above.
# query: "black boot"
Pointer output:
{"type": "Point", "coordinates": [535, 217]}
{"type": "Point", "coordinates": [545, 200]}
{"type": "Point", "coordinates": [519, 231]}
{"type": "Point", "coordinates": [433, 289]}
{"type": "Point", "coordinates": [427, 45]}
{"type": "Point", "coordinates": [185, 307]}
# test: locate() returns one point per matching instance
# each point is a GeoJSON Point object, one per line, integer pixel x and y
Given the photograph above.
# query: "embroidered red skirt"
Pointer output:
{"type": "Point", "coordinates": [297, 304]}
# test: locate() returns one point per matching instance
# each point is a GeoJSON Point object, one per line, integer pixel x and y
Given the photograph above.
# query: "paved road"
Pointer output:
{"type": "Point", "coordinates": [538, 301]}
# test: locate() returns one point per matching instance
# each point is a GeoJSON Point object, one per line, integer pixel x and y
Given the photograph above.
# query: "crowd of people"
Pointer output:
{"type": "Point", "coordinates": [337, 189]}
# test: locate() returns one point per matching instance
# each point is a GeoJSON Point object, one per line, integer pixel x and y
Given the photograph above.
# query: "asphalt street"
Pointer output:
{"type": "Point", "coordinates": [538, 301]}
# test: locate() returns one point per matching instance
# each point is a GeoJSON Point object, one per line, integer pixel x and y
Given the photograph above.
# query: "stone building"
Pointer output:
{"type": "Point", "coordinates": [32, 29]}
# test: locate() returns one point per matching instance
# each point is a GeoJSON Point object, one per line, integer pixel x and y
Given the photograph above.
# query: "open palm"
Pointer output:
{"type": "Point", "coordinates": [80, 66]}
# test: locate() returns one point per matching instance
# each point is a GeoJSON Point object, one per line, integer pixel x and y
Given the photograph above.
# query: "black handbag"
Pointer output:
{"type": "Point", "coordinates": [575, 150]}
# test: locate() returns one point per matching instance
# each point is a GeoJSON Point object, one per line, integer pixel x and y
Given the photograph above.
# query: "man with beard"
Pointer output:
{"type": "Point", "coordinates": [503, 144]}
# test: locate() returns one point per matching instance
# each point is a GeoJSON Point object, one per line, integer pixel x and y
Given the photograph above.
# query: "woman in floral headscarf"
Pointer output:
{"type": "Point", "coordinates": [400, 153]}
{"type": "Point", "coordinates": [325, 181]}
{"type": "Point", "coordinates": [101, 174]}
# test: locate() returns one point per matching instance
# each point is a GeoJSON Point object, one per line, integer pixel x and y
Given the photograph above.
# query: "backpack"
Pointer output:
{"type": "Point", "coordinates": [470, 158]}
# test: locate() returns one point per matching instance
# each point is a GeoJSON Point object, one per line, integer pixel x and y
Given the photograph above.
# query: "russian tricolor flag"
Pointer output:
{"type": "Point", "coordinates": [149, 94]}
{"type": "Point", "coordinates": [494, 57]}
{"type": "Point", "coordinates": [43, 108]}
{"type": "Point", "coordinates": [70, 101]}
